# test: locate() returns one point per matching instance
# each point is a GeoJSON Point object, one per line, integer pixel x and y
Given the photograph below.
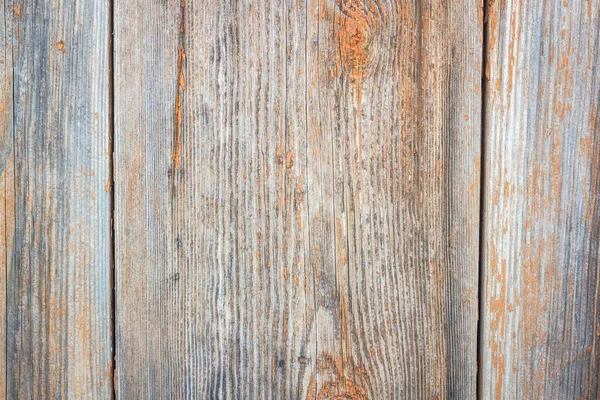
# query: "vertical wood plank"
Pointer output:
{"type": "Point", "coordinates": [148, 314]}
{"type": "Point", "coordinates": [393, 189]}
{"type": "Point", "coordinates": [297, 193]}
{"type": "Point", "coordinates": [7, 196]}
{"type": "Point", "coordinates": [542, 196]}
{"type": "Point", "coordinates": [54, 174]}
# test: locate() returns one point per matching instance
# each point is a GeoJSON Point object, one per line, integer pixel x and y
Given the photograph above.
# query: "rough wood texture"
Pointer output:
{"type": "Point", "coordinates": [54, 203]}
{"type": "Point", "coordinates": [297, 198]}
{"type": "Point", "coordinates": [542, 197]}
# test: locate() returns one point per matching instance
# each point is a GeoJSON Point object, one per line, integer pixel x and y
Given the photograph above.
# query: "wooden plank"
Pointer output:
{"type": "Point", "coordinates": [149, 319]}
{"type": "Point", "coordinates": [542, 197]}
{"type": "Point", "coordinates": [54, 174]}
{"type": "Point", "coordinates": [7, 196]}
{"type": "Point", "coordinates": [297, 198]}
{"type": "Point", "coordinates": [394, 139]}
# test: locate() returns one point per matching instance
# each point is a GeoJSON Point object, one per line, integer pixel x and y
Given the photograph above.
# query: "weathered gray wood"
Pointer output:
{"type": "Point", "coordinates": [542, 195]}
{"type": "Point", "coordinates": [54, 202]}
{"type": "Point", "coordinates": [7, 196]}
{"type": "Point", "coordinates": [297, 191]}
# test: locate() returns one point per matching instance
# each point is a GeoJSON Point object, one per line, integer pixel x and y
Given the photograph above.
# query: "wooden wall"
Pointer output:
{"type": "Point", "coordinates": [316, 199]}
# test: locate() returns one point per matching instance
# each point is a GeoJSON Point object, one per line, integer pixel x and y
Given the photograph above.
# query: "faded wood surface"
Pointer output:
{"type": "Point", "coordinates": [297, 198]}
{"type": "Point", "coordinates": [542, 195]}
{"type": "Point", "coordinates": [54, 203]}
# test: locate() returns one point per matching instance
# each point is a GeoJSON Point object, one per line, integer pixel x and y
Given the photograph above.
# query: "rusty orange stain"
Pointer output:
{"type": "Point", "coordinates": [179, 95]}
{"type": "Point", "coordinates": [178, 110]}
{"type": "Point", "coordinates": [310, 395]}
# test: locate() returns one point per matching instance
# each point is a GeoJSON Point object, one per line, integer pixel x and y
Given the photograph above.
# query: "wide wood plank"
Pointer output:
{"type": "Point", "coordinates": [541, 200]}
{"type": "Point", "coordinates": [297, 198]}
{"type": "Point", "coordinates": [54, 200]}
{"type": "Point", "coordinates": [393, 193]}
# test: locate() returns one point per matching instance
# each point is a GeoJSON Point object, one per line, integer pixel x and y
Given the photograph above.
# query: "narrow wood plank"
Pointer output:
{"type": "Point", "coordinates": [542, 197]}
{"type": "Point", "coordinates": [297, 193]}
{"type": "Point", "coordinates": [54, 174]}
{"type": "Point", "coordinates": [7, 195]}
{"type": "Point", "coordinates": [148, 295]}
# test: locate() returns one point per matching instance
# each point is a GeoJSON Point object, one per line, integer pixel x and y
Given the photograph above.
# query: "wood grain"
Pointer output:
{"type": "Point", "coordinates": [541, 200]}
{"type": "Point", "coordinates": [54, 203]}
{"type": "Point", "coordinates": [297, 198]}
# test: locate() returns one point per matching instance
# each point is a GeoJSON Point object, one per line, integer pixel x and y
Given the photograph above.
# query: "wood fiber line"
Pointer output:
{"type": "Point", "coordinates": [297, 198]}
{"type": "Point", "coordinates": [54, 203]}
{"type": "Point", "coordinates": [542, 172]}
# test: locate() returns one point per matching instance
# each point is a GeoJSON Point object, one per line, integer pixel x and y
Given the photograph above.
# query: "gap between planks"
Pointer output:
{"type": "Point", "coordinates": [484, 81]}
{"type": "Point", "coordinates": [111, 169]}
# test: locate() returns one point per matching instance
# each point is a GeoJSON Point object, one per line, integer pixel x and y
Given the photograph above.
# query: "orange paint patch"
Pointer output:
{"type": "Point", "coordinates": [562, 109]}
{"type": "Point", "coordinates": [342, 386]}
{"type": "Point", "coordinates": [352, 38]}
{"type": "Point", "coordinates": [355, 24]}
{"type": "Point", "coordinates": [506, 189]}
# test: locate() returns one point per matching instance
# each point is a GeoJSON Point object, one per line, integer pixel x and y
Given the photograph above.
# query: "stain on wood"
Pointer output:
{"type": "Point", "coordinates": [305, 224]}
{"type": "Point", "coordinates": [541, 201]}
{"type": "Point", "coordinates": [55, 229]}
